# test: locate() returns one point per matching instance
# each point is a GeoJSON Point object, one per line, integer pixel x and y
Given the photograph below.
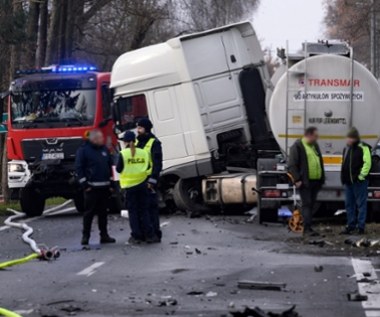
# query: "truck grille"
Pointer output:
{"type": "Point", "coordinates": [50, 148]}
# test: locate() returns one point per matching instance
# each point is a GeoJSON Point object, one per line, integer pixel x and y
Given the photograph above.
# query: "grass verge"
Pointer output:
{"type": "Point", "coordinates": [16, 205]}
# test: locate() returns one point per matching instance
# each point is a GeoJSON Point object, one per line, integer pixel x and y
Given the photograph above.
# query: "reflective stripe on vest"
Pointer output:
{"type": "Point", "coordinates": [148, 149]}
{"type": "Point", "coordinates": [135, 169]}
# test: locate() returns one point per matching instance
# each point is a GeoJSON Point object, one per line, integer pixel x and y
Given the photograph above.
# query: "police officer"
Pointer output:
{"type": "Point", "coordinates": [133, 166]}
{"type": "Point", "coordinates": [147, 140]}
{"type": "Point", "coordinates": [94, 170]}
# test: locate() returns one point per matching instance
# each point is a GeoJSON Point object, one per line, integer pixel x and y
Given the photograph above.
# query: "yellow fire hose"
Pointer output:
{"type": "Point", "coordinates": [8, 313]}
{"type": "Point", "coordinates": [30, 257]}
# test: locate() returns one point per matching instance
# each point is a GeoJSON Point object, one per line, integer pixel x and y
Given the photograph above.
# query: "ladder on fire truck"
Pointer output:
{"type": "Point", "coordinates": [296, 112]}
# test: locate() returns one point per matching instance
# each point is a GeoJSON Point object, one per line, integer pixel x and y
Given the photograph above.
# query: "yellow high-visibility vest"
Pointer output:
{"type": "Point", "coordinates": [136, 168]}
{"type": "Point", "coordinates": [148, 149]}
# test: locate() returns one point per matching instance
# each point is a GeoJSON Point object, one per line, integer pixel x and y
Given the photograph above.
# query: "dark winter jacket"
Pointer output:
{"type": "Point", "coordinates": [93, 166]}
{"type": "Point", "coordinates": [156, 153]}
{"type": "Point", "coordinates": [356, 164]}
{"type": "Point", "coordinates": [298, 164]}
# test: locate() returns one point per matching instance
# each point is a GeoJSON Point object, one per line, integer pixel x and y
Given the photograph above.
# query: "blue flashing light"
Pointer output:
{"type": "Point", "coordinates": [75, 69]}
{"type": "Point", "coordinates": [59, 69]}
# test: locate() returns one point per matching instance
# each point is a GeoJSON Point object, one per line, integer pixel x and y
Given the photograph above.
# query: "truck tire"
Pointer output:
{"type": "Point", "coordinates": [187, 196]}
{"type": "Point", "coordinates": [79, 202]}
{"type": "Point", "coordinates": [32, 203]}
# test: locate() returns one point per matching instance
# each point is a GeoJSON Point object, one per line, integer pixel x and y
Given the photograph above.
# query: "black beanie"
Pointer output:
{"type": "Point", "coordinates": [146, 124]}
{"type": "Point", "coordinates": [353, 133]}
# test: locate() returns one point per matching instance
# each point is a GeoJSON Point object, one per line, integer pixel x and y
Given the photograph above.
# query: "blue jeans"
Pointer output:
{"type": "Point", "coordinates": [356, 199]}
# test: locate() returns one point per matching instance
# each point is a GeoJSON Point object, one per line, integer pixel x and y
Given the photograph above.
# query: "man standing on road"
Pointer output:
{"type": "Point", "coordinates": [147, 140]}
{"type": "Point", "coordinates": [94, 170]}
{"type": "Point", "coordinates": [306, 167]}
{"type": "Point", "coordinates": [133, 166]}
{"type": "Point", "coordinates": [356, 166]}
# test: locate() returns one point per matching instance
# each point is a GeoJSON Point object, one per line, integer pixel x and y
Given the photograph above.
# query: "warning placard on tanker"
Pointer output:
{"type": "Point", "coordinates": [335, 96]}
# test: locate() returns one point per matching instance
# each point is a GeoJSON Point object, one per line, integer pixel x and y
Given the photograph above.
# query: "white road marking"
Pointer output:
{"type": "Point", "coordinates": [88, 271]}
{"type": "Point", "coordinates": [370, 288]}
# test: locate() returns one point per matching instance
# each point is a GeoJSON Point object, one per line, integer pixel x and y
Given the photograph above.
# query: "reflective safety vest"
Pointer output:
{"type": "Point", "coordinates": [136, 168]}
{"type": "Point", "coordinates": [148, 149]}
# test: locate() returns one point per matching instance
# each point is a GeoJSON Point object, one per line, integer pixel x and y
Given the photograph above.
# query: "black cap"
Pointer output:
{"type": "Point", "coordinates": [146, 124]}
{"type": "Point", "coordinates": [129, 136]}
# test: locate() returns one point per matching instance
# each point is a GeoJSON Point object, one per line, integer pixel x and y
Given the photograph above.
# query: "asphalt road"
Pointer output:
{"type": "Point", "coordinates": [205, 256]}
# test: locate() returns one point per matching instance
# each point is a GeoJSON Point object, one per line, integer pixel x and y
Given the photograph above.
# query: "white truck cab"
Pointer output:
{"type": "Point", "coordinates": [205, 94]}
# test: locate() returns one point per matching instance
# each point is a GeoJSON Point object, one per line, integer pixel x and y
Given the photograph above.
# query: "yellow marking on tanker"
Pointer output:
{"type": "Point", "coordinates": [297, 119]}
{"type": "Point", "coordinates": [330, 160]}
{"type": "Point", "coordinates": [329, 137]}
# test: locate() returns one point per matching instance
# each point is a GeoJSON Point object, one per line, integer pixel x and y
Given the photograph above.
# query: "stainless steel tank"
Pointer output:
{"type": "Point", "coordinates": [326, 88]}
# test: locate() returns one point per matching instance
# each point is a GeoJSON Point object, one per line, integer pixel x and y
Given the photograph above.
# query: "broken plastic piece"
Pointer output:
{"type": "Point", "coordinates": [261, 285]}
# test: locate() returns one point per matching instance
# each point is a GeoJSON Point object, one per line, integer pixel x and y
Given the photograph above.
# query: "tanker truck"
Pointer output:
{"type": "Point", "coordinates": [325, 87]}
{"type": "Point", "coordinates": [226, 126]}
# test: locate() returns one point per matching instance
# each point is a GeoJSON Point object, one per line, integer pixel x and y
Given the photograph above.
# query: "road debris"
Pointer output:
{"type": "Point", "coordinates": [361, 243]}
{"type": "Point", "coordinates": [257, 312]}
{"type": "Point", "coordinates": [253, 215]}
{"type": "Point", "coordinates": [318, 268]}
{"type": "Point", "coordinates": [167, 302]}
{"type": "Point", "coordinates": [261, 285]}
{"type": "Point", "coordinates": [357, 297]}
{"type": "Point", "coordinates": [195, 293]}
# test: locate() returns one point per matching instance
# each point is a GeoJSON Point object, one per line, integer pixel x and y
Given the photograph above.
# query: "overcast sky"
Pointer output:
{"type": "Point", "coordinates": [295, 20]}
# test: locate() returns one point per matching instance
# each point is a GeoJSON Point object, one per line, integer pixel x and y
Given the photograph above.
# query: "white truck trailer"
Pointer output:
{"type": "Point", "coordinates": [219, 116]}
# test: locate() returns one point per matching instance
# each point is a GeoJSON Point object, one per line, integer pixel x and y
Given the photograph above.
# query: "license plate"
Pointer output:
{"type": "Point", "coordinates": [53, 156]}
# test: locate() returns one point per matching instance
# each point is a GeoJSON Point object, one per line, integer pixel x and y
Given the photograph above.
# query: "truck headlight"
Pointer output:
{"type": "Point", "coordinates": [16, 167]}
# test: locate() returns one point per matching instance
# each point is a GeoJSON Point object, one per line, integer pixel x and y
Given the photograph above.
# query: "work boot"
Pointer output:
{"type": "Point", "coordinates": [361, 231]}
{"type": "Point", "coordinates": [133, 240]}
{"type": "Point", "coordinates": [309, 232]}
{"type": "Point", "coordinates": [154, 239]}
{"type": "Point", "coordinates": [347, 231]}
{"type": "Point", "coordinates": [107, 239]}
{"type": "Point", "coordinates": [85, 240]}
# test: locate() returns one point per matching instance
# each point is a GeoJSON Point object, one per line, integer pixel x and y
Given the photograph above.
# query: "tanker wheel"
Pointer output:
{"type": "Point", "coordinates": [79, 202]}
{"type": "Point", "coordinates": [187, 196]}
{"type": "Point", "coordinates": [32, 203]}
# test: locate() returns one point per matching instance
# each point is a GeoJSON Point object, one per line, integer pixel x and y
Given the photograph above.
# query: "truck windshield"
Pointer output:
{"type": "Point", "coordinates": [31, 109]}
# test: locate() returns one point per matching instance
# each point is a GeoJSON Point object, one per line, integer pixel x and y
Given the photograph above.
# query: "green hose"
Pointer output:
{"type": "Point", "coordinates": [18, 261]}
{"type": "Point", "coordinates": [8, 313]}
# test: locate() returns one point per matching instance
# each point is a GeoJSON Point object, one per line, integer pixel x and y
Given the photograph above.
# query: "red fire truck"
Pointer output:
{"type": "Point", "coordinates": [50, 112]}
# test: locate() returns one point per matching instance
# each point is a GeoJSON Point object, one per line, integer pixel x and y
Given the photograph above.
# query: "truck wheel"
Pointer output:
{"type": "Point", "coordinates": [79, 202]}
{"type": "Point", "coordinates": [187, 196]}
{"type": "Point", "coordinates": [32, 203]}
